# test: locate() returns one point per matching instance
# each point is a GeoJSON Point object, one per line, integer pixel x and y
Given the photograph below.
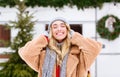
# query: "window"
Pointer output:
{"type": "Point", "coordinates": [76, 27]}
{"type": "Point", "coordinates": [4, 36]}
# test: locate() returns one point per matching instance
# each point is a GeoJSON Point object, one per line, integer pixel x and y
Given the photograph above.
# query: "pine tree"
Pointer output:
{"type": "Point", "coordinates": [15, 66]}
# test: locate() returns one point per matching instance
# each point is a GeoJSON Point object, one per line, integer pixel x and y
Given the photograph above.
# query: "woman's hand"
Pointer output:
{"type": "Point", "coordinates": [75, 39]}
{"type": "Point", "coordinates": [46, 35]}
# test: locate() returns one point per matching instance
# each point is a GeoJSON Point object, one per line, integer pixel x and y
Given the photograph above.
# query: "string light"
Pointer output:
{"type": "Point", "coordinates": [21, 0]}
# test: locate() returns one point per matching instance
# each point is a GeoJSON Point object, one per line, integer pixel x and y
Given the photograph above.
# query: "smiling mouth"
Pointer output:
{"type": "Point", "coordinates": [60, 33]}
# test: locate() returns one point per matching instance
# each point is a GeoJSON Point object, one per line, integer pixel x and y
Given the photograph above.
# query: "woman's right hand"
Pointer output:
{"type": "Point", "coordinates": [46, 35]}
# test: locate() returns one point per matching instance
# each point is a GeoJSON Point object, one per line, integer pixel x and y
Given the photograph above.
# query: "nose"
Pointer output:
{"type": "Point", "coordinates": [59, 28]}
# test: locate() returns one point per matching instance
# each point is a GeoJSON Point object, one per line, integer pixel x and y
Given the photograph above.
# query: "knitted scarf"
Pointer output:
{"type": "Point", "coordinates": [49, 62]}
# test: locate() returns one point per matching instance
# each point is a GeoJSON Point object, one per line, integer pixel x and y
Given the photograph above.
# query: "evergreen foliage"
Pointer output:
{"type": "Point", "coordinates": [59, 3]}
{"type": "Point", "coordinates": [104, 32]}
{"type": "Point", "coordinates": [15, 67]}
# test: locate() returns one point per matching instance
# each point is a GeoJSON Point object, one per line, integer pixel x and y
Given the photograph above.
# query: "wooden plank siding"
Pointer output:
{"type": "Point", "coordinates": [3, 56]}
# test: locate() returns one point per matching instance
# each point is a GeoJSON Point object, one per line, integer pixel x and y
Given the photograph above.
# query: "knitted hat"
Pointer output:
{"type": "Point", "coordinates": [56, 19]}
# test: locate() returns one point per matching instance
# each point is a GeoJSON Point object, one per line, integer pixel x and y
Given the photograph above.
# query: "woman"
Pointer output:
{"type": "Point", "coordinates": [60, 53]}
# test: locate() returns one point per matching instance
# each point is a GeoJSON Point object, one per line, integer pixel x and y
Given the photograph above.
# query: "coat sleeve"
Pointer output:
{"type": "Point", "coordinates": [89, 49]}
{"type": "Point", "coordinates": [31, 51]}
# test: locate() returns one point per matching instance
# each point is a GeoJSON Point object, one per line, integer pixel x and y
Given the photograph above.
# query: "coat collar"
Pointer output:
{"type": "Point", "coordinates": [71, 64]}
{"type": "Point", "coordinates": [72, 60]}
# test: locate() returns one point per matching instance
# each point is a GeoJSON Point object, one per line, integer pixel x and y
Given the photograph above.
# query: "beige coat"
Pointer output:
{"type": "Point", "coordinates": [81, 56]}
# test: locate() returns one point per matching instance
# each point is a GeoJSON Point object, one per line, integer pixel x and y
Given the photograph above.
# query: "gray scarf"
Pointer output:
{"type": "Point", "coordinates": [49, 63]}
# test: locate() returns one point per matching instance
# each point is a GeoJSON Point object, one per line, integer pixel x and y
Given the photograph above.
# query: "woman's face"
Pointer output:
{"type": "Point", "coordinates": [59, 30]}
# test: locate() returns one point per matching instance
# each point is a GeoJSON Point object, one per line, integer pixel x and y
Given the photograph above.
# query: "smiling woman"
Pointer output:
{"type": "Point", "coordinates": [61, 52]}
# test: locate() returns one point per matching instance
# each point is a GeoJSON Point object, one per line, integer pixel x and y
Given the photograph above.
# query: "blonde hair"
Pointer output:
{"type": "Point", "coordinates": [65, 47]}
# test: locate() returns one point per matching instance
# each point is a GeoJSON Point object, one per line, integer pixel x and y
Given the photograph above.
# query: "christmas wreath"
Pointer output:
{"type": "Point", "coordinates": [108, 27]}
